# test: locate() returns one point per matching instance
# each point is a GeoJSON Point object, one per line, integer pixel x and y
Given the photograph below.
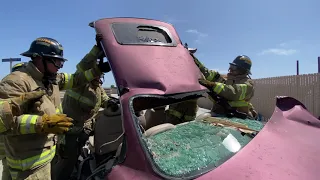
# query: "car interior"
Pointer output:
{"type": "Point", "coordinates": [108, 137]}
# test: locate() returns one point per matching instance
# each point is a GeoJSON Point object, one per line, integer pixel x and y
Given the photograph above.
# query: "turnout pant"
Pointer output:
{"type": "Point", "coordinates": [68, 154]}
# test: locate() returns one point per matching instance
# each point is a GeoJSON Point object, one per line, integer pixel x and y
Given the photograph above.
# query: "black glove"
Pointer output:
{"type": "Point", "coordinates": [101, 55]}
{"type": "Point", "coordinates": [83, 137]}
{"type": "Point", "coordinates": [206, 83]}
{"type": "Point", "coordinates": [98, 39]}
{"type": "Point", "coordinates": [104, 67]}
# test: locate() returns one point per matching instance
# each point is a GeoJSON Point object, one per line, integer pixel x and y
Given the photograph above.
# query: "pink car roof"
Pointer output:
{"type": "Point", "coordinates": [148, 54]}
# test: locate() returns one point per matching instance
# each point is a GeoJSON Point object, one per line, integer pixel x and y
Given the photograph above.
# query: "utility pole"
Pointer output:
{"type": "Point", "coordinates": [319, 66]}
{"type": "Point", "coordinates": [11, 60]}
{"type": "Point", "coordinates": [297, 67]}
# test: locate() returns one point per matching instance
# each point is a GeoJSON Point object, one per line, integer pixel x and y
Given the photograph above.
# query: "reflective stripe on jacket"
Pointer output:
{"type": "Point", "coordinates": [238, 91]}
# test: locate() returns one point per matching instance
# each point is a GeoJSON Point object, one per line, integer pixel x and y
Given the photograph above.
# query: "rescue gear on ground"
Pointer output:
{"type": "Point", "coordinates": [56, 124]}
{"type": "Point", "coordinates": [242, 62]}
{"type": "Point", "coordinates": [28, 152]}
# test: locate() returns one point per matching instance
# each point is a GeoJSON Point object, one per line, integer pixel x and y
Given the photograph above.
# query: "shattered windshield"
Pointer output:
{"type": "Point", "coordinates": [199, 146]}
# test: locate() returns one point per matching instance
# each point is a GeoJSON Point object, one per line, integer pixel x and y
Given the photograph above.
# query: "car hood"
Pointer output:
{"type": "Point", "coordinates": [147, 54]}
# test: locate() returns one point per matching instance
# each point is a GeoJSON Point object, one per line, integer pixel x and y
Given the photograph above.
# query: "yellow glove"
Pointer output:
{"type": "Point", "coordinates": [20, 104]}
{"type": "Point", "coordinates": [56, 124]}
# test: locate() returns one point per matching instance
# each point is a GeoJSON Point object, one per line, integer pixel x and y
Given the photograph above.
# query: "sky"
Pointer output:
{"type": "Point", "coordinates": [273, 33]}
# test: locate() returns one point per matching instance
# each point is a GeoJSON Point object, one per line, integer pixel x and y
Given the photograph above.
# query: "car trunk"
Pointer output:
{"type": "Point", "coordinates": [147, 54]}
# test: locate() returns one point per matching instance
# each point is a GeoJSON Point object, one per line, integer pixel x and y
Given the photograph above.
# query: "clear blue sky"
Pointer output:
{"type": "Point", "coordinates": [274, 33]}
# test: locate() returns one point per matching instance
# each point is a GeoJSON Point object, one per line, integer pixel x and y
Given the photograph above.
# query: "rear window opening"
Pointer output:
{"type": "Point", "coordinates": [187, 149]}
{"type": "Point", "coordinates": [142, 34]}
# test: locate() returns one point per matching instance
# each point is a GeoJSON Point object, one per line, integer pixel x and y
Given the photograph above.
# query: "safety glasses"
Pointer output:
{"type": "Point", "coordinates": [56, 62]}
{"type": "Point", "coordinates": [233, 67]}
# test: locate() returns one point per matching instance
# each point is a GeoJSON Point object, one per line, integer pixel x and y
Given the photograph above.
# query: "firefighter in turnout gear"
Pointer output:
{"type": "Point", "coordinates": [237, 88]}
{"type": "Point", "coordinates": [82, 104]}
{"type": "Point", "coordinates": [5, 171]}
{"type": "Point", "coordinates": [183, 111]}
{"type": "Point", "coordinates": [30, 139]}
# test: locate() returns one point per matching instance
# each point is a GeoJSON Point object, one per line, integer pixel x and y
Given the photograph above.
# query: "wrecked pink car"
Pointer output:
{"type": "Point", "coordinates": [153, 69]}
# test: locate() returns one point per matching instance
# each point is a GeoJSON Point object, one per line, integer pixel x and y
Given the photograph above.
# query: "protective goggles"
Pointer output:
{"type": "Point", "coordinates": [56, 62]}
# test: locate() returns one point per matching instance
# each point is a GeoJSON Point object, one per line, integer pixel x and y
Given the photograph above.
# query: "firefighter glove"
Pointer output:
{"type": "Point", "coordinates": [56, 124]}
{"type": "Point", "coordinates": [207, 84]}
{"type": "Point", "coordinates": [25, 101]}
{"type": "Point", "coordinates": [100, 54]}
{"type": "Point", "coordinates": [98, 40]}
{"type": "Point", "coordinates": [104, 67]}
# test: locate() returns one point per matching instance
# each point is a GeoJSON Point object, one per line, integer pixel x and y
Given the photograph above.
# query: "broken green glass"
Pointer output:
{"type": "Point", "coordinates": [191, 147]}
